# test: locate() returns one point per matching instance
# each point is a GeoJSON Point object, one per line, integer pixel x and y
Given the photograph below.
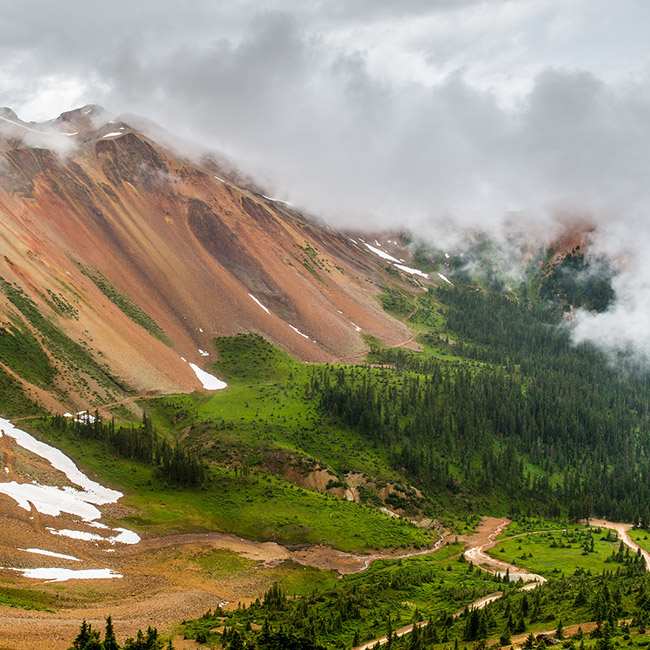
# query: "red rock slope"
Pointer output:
{"type": "Point", "coordinates": [185, 246]}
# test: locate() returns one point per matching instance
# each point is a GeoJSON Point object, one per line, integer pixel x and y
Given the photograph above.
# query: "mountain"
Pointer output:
{"type": "Point", "coordinates": [384, 400]}
{"type": "Point", "coordinates": [138, 256]}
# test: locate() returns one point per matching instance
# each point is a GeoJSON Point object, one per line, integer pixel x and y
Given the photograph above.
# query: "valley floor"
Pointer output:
{"type": "Point", "coordinates": [160, 563]}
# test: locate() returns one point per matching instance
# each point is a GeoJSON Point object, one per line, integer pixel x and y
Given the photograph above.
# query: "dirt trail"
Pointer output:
{"type": "Point", "coordinates": [478, 557]}
{"type": "Point", "coordinates": [401, 344]}
{"type": "Point", "coordinates": [483, 538]}
{"type": "Point", "coordinates": [622, 530]}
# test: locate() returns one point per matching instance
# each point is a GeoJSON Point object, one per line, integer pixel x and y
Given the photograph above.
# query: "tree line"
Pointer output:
{"type": "Point", "coordinates": [552, 425]}
{"type": "Point", "coordinates": [140, 442]}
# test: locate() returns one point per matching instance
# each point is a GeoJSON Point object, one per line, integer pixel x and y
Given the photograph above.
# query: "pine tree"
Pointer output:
{"type": "Point", "coordinates": [84, 636]}
{"type": "Point", "coordinates": [236, 642]}
{"type": "Point", "coordinates": [110, 642]}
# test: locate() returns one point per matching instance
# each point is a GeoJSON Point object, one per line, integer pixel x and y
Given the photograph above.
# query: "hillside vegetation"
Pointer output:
{"type": "Point", "coordinates": [499, 414]}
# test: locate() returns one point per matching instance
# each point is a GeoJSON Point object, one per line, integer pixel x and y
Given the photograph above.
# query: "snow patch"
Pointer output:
{"type": "Point", "coordinates": [259, 303]}
{"type": "Point", "coordinates": [112, 135]}
{"type": "Point", "coordinates": [356, 327]}
{"type": "Point", "coordinates": [123, 536]}
{"type": "Point", "coordinates": [220, 179]}
{"type": "Point", "coordinates": [440, 275]}
{"type": "Point", "coordinates": [203, 353]}
{"type": "Point", "coordinates": [75, 534]}
{"type": "Point", "coordinates": [209, 382]}
{"type": "Point", "coordinates": [50, 500]}
{"type": "Point", "coordinates": [54, 574]}
{"type": "Point", "coordinates": [295, 329]}
{"type": "Point", "coordinates": [408, 269]}
{"type": "Point", "coordinates": [93, 491]}
{"type": "Point", "coordinates": [270, 198]}
{"type": "Point", "coordinates": [381, 254]}
{"type": "Point", "coordinates": [40, 551]}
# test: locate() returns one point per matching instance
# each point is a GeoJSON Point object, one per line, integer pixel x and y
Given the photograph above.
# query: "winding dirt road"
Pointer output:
{"type": "Point", "coordinates": [479, 558]}
{"type": "Point", "coordinates": [622, 530]}
{"type": "Point", "coordinates": [485, 538]}
{"type": "Point", "coordinates": [168, 600]}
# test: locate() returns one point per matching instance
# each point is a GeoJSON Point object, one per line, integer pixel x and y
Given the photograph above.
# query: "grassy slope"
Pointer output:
{"type": "Point", "coordinates": [256, 506]}
{"type": "Point", "coordinates": [535, 551]}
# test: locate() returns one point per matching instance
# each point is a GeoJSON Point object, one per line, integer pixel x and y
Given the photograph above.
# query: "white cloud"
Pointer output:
{"type": "Point", "coordinates": [418, 113]}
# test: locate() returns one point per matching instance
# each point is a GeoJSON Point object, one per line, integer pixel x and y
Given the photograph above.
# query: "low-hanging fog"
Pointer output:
{"type": "Point", "coordinates": [435, 116]}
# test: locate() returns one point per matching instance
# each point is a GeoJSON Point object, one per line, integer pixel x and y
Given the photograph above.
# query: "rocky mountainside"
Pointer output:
{"type": "Point", "coordinates": [121, 260]}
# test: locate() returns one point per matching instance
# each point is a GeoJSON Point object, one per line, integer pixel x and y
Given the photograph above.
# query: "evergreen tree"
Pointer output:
{"type": "Point", "coordinates": [110, 642]}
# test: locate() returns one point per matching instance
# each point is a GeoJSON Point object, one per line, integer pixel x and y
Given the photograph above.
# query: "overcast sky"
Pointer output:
{"type": "Point", "coordinates": [378, 112]}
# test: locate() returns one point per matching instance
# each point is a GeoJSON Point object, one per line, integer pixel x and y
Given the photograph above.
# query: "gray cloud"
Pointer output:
{"type": "Point", "coordinates": [436, 116]}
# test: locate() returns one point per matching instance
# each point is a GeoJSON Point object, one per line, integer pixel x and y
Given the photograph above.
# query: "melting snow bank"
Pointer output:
{"type": "Point", "coordinates": [52, 500]}
{"type": "Point", "coordinates": [54, 574]}
{"type": "Point", "coordinates": [209, 382]}
{"type": "Point", "coordinates": [40, 551]}
{"type": "Point", "coordinates": [376, 251]}
{"type": "Point", "coordinates": [259, 303]}
{"type": "Point", "coordinates": [93, 491]}
{"type": "Point", "coordinates": [123, 536]}
{"type": "Point", "coordinates": [445, 279]}
{"type": "Point", "coordinates": [408, 269]}
{"type": "Point", "coordinates": [396, 262]}
{"type": "Point", "coordinates": [295, 329]}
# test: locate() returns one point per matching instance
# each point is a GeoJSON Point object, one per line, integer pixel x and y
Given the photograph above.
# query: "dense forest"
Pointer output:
{"type": "Point", "coordinates": [523, 412]}
{"type": "Point", "coordinates": [143, 442]}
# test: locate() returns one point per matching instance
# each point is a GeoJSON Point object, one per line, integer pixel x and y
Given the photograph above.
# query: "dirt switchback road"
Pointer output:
{"type": "Point", "coordinates": [622, 530]}
{"type": "Point", "coordinates": [484, 538]}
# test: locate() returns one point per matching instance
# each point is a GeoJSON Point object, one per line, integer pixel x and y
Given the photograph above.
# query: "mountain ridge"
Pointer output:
{"type": "Point", "coordinates": [200, 255]}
